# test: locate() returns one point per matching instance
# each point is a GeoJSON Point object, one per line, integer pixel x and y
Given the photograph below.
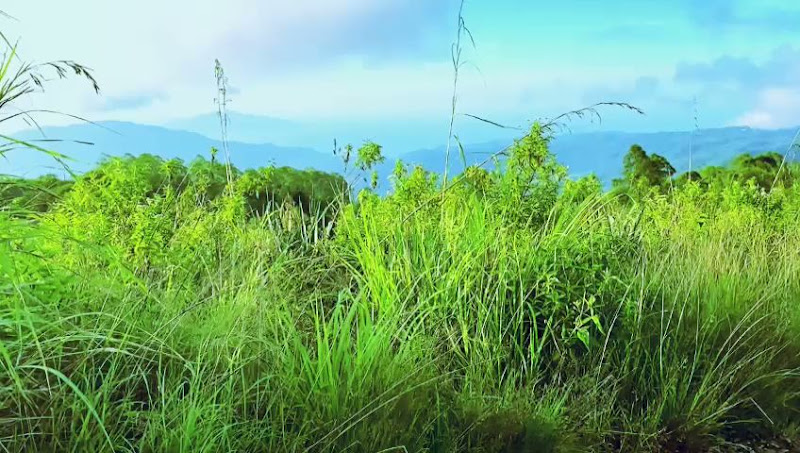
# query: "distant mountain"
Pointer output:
{"type": "Point", "coordinates": [119, 138]}
{"type": "Point", "coordinates": [256, 129]}
{"type": "Point", "coordinates": [601, 153]}
{"type": "Point", "coordinates": [597, 152]}
{"type": "Point", "coordinates": [397, 136]}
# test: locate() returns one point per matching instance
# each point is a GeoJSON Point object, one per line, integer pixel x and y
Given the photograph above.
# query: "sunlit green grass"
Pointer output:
{"type": "Point", "coordinates": [150, 306]}
{"type": "Point", "coordinates": [605, 327]}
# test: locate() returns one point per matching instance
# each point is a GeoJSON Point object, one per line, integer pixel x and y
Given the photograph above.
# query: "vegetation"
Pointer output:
{"type": "Point", "coordinates": [148, 309]}
{"type": "Point", "coordinates": [643, 172]}
{"type": "Point", "coordinates": [153, 305]}
{"type": "Point", "coordinates": [36, 195]}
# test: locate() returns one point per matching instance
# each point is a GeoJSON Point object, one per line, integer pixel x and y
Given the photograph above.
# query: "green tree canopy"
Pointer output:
{"type": "Point", "coordinates": [653, 170]}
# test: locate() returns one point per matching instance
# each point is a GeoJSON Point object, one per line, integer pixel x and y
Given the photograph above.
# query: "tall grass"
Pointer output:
{"type": "Point", "coordinates": [511, 310]}
{"type": "Point", "coordinates": [460, 329]}
{"type": "Point", "coordinates": [18, 80]}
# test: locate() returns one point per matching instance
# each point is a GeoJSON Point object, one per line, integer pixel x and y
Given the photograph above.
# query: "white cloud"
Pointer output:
{"type": "Point", "coordinates": [289, 58]}
{"type": "Point", "coordinates": [150, 48]}
{"type": "Point", "coordinates": [775, 108]}
{"type": "Point", "coordinates": [168, 58]}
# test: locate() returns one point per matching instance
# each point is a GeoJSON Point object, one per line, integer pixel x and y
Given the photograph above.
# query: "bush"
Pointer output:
{"type": "Point", "coordinates": [157, 307]}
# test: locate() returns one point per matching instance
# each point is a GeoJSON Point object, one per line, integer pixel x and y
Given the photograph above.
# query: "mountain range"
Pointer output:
{"type": "Point", "coordinates": [397, 136]}
{"type": "Point", "coordinates": [600, 153]}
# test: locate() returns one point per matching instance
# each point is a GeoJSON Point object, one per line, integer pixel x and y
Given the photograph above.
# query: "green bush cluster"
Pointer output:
{"type": "Point", "coordinates": [37, 195]}
{"type": "Point", "coordinates": [157, 306]}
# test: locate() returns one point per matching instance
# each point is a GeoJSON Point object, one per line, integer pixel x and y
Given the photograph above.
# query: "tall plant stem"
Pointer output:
{"type": "Point", "coordinates": [222, 104]}
{"type": "Point", "coordinates": [455, 53]}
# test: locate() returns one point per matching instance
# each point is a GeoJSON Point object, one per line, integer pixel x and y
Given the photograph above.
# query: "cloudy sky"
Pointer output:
{"type": "Point", "coordinates": [357, 59]}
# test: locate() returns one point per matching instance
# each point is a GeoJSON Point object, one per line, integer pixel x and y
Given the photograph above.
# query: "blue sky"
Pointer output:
{"type": "Point", "coordinates": [389, 59]}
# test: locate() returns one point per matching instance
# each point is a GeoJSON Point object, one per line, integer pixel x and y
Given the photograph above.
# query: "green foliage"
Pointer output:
{"type": "Point", "coordinates": [651, 175]}
{"type": "Point", "coordinates": [19, 80]}
{"type": "Point", "coordinates": [762, 169]}
{"type": "Point", "coordinates": [369, 155]}
{"type": "Point", "coordinates": [154, 306]}
{"type": "Point", "coordinates": [414, 189]}
{"type": "Point", "coordinates": [311, 190]}
{"type": "Point", "coordinates": [578, 191]}
{"type": "Point", "coordinates": [36, 195]}
{"type": "Point", "coordinates": [526, 188]}
{"type": "Point", "coordinates": [478, 178]}
{"type": "Point", "coordinates": [643, 173]}
{"type": "Point", "coordinates": [690, 177]}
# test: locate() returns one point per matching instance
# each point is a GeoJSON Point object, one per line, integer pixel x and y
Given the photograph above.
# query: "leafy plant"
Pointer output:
{"type": "Point", "coordinates": [19, 80]}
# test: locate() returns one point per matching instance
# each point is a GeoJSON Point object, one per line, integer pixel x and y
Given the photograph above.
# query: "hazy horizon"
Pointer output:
{"type": "Point", "coordinates": [360, 61]}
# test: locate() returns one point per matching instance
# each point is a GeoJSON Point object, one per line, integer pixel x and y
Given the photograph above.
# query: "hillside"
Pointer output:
{"type": "Point", "coordinates": [333, 271]}
{"type": "Point", "coordinates": [397, 136]}
{"type": "Point", "coordinates": [175, 300]}
{"type": "Point", "coordinates": [119, 138]}
{"type": "Point", "coordinates": [599, 152]}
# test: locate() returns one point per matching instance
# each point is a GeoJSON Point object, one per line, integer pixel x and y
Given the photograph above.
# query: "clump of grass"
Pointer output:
{"type": "Point", "coordinates": [471, 326]}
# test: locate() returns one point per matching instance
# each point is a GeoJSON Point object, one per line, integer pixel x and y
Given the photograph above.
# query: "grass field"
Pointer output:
{"type": "Point", "coordinates": [514, 311]}
{"type": "Point", "coordinates": [161, 306]}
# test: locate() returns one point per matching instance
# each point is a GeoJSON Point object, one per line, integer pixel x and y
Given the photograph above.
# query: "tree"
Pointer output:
{"type": "Point", "coordinates": [692, 176]}
{"type": "Point", "coordinates": [369, 155]}
{"type": "Point", "coordinates": [762, 169]}
{"type": "Point", "coordinates": [643, 172]}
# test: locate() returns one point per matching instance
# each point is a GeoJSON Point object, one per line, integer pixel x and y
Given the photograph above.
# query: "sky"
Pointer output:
{"type": "Point", "coordinates": [723, 62]}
